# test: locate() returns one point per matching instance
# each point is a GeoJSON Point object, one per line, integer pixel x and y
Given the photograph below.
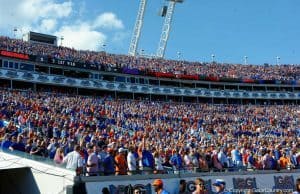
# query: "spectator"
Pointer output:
{"type": "Point", "coordinates": [146, 160]}
{"type": "Point", "coordinates": [6, 142]}
{"type": "Point", "coordinates": [159, 187]}
{"type": "Point", "coordinates": [69, 147]}
{"type": "Point", "coordinates": [19, 145]}
{"type": "Point", "coordinates": [131, 161]}
{"type": "Point", "coordinates": [158, 162]}
{"type": "Point", "coordinates": [216, 163]}
{"type": "Point", "coordinates": [120, 162]}
{"type": "Point", "coordinates": [28, 146]}
{"type": "Point", "coordinates": [222, 158]}
{"type": "Point", "coordinates": [108, 163]}
{"type": "Point", "coordinates": [138, 191]}
{"type": "Point", "coordinates": [236, 157]}
{"type": "Point", "coordinates": [284, 161]}
{"type": "Point", "coordinates": [267, 160]}
{"type": "Point", "coordinates": [93, 161]}
{"type": "Point", "coordinates": [105, 190]}
{"type": "Point", "coordinates": [59, 156]}
{"type": "Point", "coordinates": [293, 158]}
{"type": "Point", "coordinates": [74, 160]}
{"type": "Point", "coordinates": [187, 159]}
{"type": "Point", "coordinates": [220, 185]}
{"type": "Point", "coordinates": [176, 160]}
{"type": "Point", "coordinates": [38, 149]}
{"type": "Point", "coordinates": [167, 164]}
{"type": "Point", "coordinates": [203, 165]}
{"type": "Point", "coordinates": [182, 187]}
{"type": "Point", "coordinates": [250, 160]}
{"type": "Point", "coordinates": [52, 147]}
{"type": "Point", "coordinates": [200, 187]}
{"type": "Point", "coordinates": [297, 190]}
{"type": "Point", "coordinates": [195, 160]}
{"type": "Point", "coordinates": [101, 156]}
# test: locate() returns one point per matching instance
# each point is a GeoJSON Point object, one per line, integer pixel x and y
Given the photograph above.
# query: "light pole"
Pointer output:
{"type": "Point", "coordinates": [278, 60]}
{"type": "Point", "coordinates": [15, 31]}
{"type": "Point", "coordinates": [103, 47]}
{"type": "Point", "coordinates": [245, 60]}
{"type": "Point", "coordinates": [213, 58]}
{"type": "Point", "coordinates": [61, 40]}
{"type": "Point", "coordinates": [178, 55]}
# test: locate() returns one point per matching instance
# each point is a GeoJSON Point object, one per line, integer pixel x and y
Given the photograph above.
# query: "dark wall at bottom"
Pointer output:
{"type": "Point", "coordinates": [18, 181]}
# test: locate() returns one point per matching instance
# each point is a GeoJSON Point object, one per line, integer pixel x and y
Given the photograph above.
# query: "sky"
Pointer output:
{"type": "Point", "coordinates": [262, 30]}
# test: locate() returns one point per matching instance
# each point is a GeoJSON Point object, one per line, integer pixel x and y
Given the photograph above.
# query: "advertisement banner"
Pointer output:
{"type": "Point", "coordinates": [189, 77]}
{"type": "Point", "coordinates": [212, 78]}
{"type": "Point", "coordinates": [284, 182]}
{"type": "Point", "coordinates": [161, 74]}
{"type": "Point", "coordinates": [68, 63]}
{"type": "Point", "coordinates": [14, 55]}
{"type": "Point", "coordinates": [61, 62]}
{"type": "Point", "coordinates": [130, 71]}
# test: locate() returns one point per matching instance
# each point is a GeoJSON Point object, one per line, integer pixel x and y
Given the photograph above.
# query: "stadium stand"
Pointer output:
{"type": "Point", "coordinates": [146, 135]}
{"type": "Point", "coordinates": [155, 67]}
{"type": "Point", "coordinates": [161, 137]}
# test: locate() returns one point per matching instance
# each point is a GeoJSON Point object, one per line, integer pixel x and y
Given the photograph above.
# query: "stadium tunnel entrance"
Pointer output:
{"type": "Point", "coordinates": [18, 181]}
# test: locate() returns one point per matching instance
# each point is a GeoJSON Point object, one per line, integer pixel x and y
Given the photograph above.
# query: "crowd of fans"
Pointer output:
{"type": "Point", "coordinates": [119, 137]}
{"type": "Point", "coordinates": [220, 70]}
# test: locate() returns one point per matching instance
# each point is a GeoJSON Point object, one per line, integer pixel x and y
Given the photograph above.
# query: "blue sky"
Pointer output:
{"type": "Point", "coordinates": [231, 29]}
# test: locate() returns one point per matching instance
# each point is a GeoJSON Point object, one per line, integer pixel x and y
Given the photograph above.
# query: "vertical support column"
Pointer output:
{"type": "Point", "coordinates": [165, 30]}
{"type": "Point", "coordinates": [34, 87]}
{"type": "Point", "coordinates": [137, 29]}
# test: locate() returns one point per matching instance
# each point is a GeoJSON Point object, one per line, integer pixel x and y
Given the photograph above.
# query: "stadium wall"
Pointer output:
{"type": "Point", "coordinates": [262, 181]}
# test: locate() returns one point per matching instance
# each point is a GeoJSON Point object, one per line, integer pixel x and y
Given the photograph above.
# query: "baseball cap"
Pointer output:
{"type": "Point", "coordinates": [157, 182]}
{"type": "Point", "coordinates": [219, 182]}
{"type": "Point", "coordinates": [122, 150]}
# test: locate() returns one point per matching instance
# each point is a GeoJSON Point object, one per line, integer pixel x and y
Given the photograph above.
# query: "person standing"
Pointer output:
{"type": "Point", "coordinates": [120, 162]}
{"type": "Point", "coordinates": [236, 157]}
{"type": "Point", "coordinates": [59, 156]}
{"type": "Point", "coordinates": [131, 161]}
{"type": "Point", "coordinates": [5, 144]}
{"type": "Point", "coordinates": [74, 160]}
{"type": "Point", "coordinates": [146, 159]}
{"type": "Point", "coordinates": [158, 163]}
{"type": "Point", "coordinates": [176, 161]}
{"type": "Point", "coordinates": [19, 145]}
{"type": "Point", "coordinates": [92, 166]}
{"type": "Point", "coordinates": [109, 162]}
